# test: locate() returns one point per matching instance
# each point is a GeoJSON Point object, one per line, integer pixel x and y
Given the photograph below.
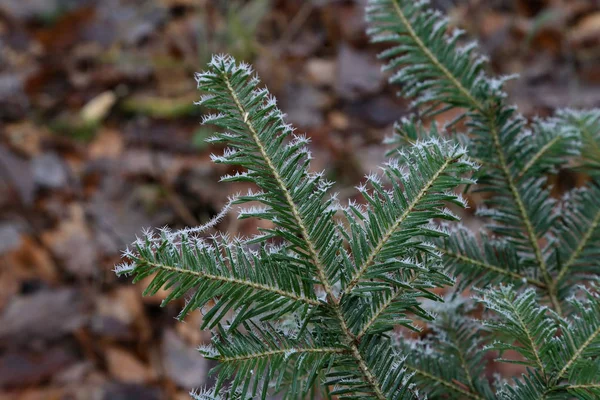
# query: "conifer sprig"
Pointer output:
{"type": "Point", "coordinates": [398, 216]}
{"type": "Point", "coordinates": [534, 242]}
{"type": "Point", "coordinates": [559, 349]}
{"type": "Point", "coordinates": [440, 74]}
{"type": "Point", "coordinates": [455, 368]}
{"type": "Point", "coordinates": [309, 298]}
{"type": "Point", "coordinates": [316, 301]}
{"type": "Point", "coordinates": [585, 124]}
{"type": "Point", "coordinates": [579, 230]}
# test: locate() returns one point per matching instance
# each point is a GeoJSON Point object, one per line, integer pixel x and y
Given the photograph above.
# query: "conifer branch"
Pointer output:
{"type": "Point", "coordinates": [530, 340]}
{"type": "Point", "coordinates": [282, 186]}
{"type": "Point", "coordinates": [581, 220]}
{"type": "Point", "coordinates": [458, 82]}
{"type": "Point", "coordinates": [433, 59]}
{"type": "Point", "coordinates": [461, 357]}
{"type": "Point", "coordinates": [492, 268]}
{"type": "Point", "coordinates": [585, 239]}
{"type": "Point", "coordinates": [258, 131]}
{"type": "Point", "coordinates": [531, 234]}
{"type": "Point", "coordinates": [522, 320]}
{"type": "Point", "coordinates": [578, 353]}
{"type": "Point", "coordinates": [449, 385]}
{"type": "Point", "coordinates": [227, 279]}
{"type": "Point", "coordinates": [575, 387]}
{"type": "Point", "coordinates": [397, 223]}
{"type": "Point", "coordinates": [316, 297]}
{"type": "Point", "coordinates": [586, 124]}
{"type": "Point", "coordinates": [457, 362]}
{"type": "Point", "coordinates": [370, 377]}
{"type": "Point", "coordinates": [381, 308]}
{"type": "Point", "coordinates": [580, 342]}
{"type": "Point", "coordinates": [285, 352]}
{"type": "Point", "coordinates": [537, 156]}
{"type": "Point", "coordinates": [332, 300]}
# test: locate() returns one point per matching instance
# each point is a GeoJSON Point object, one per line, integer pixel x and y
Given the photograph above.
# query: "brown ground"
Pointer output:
{"type": "Point", "coordinates": [99, 138]}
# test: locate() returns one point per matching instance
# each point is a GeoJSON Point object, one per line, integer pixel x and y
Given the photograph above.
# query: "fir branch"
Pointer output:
{"type": "Point", "coordinates": [579, 233]}
{"type": "Point", "coordinates": [492, 268]}
{"type": "Point", "coordinates": [522, 321]}
{"type": "Point", "coordinates": [532, 386]}
{"type": "Point", "coordinates": [257, 141]}
{"type": "Point", "coordinates": [440, 75]}
{"type": "Point", "coordinates": [225, 279]}
{"type": "Point", "coordinates": [594, 336]}
{"type": "Point", "coordinates": [279, 352]}
{"type": "Point", "coordinates": [494, 261]}
{"type": "Point", "coordinates": [446, 384]}
{"type": "Point", "coordinates": [581, 337]}
{"type": "Point", "coordinates": [523, 214]}
{"type": "Point", "coordinates": [450, 356]}
{"type": "Point", "coordinates": [263, 354]}
{"type": "Point", "coordinates": [549, 145]}
{"type": "Point", "coordinates": [537, 156]}
{"type": "Point", "coordinates": [245, 112]}
{"type": "Point", "coordinates": [443, 163]}
{"type": "Point", "coordinates": [592, 229]}
{"type": "Point", "coordinates": [407, 13]}
{"type": "Point", "coordinates": [589, 386]}
{"type": "Point", "coordinates": [282, 186]}
{"type": "Point", "coordinates": [463, 362]}
{"type": "Point", "coordinates": [387, 369]}
{"type": "Point", "coordinates": [220, 274]}
{"type": "Point", "coordinates": [586, 123]}
{"type": "Point", "coordinates": [382, 306]}
{"type": "Point", "coordinates": [226, 69]}
{"type": "Point", "coordinates": [571, 353]}
{"type": "Point", "coordinates": [322, 305]}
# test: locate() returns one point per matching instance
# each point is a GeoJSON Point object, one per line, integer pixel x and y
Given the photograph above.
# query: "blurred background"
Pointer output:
{"type": "Point", "coordinates": [100, 138]}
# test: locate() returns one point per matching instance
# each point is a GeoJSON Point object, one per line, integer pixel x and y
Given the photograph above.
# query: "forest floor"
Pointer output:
{"type": "Point", "coordinates": [100, 138]}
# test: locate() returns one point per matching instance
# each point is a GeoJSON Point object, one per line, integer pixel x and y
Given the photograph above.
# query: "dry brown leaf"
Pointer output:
{"type": "Point", "coordinates": [73, 243]}
{"type": "Point", "coordinates": [587, 29]}
{"type": "Point", "coordinates": [126, 367]}
{"type": "Point", "coordinates": [107, 144]}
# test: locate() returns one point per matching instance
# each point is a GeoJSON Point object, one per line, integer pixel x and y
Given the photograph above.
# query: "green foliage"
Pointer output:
{"type": "Point", "coordinates": [585, 123]}
{"type": "Point", "coordinates": [308, 300]}
{"type": "Point", "coordinates": [540, 246]}
{"type": "Point", "coordinates": [562, 365]}
{"type": "Point", "coordinates": [449, 361]}
{"type": "Point", "coordinates": [324, 298]}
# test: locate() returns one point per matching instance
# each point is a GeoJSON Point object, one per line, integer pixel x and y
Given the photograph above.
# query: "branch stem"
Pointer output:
{"type": "Point", "coordinates": [293, 350]}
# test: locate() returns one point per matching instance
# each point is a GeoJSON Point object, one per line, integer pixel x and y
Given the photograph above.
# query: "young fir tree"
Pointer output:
{"type": "Point", "coordinates": [314, 306]}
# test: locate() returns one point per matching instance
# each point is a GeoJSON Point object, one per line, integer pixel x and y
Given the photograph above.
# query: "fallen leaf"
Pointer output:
{"type": "Point", "coordinates": [43, 316]}
{"type": "Point", "coordinates": [182, 364]}
{"type": "Point", "coordinates": [587, 29]}
{"type": "Point", "coordinates": [126, 367]}
{"type": "Point", "coordinates": [98, 107]}
{"type": "Point", "coordinates": [29, 368]}
{"type": "Point", "coordinates": [321, 71]}
{"type": "Point", "coordinates": [108, 144]}
{"type": "Point", "coordinates": [25, 138]}
{"type": "Point", "coordinates": [73, 244]}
